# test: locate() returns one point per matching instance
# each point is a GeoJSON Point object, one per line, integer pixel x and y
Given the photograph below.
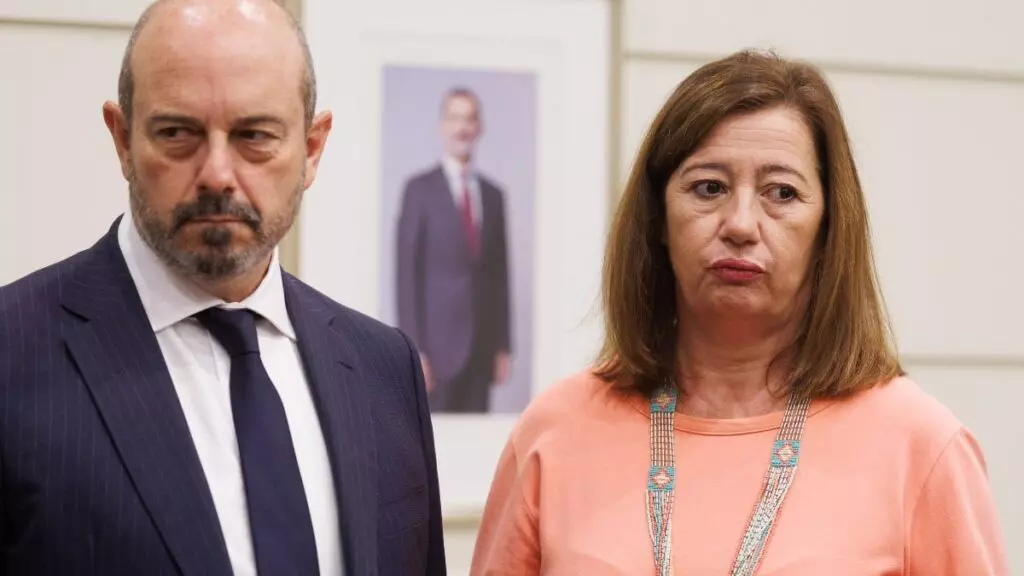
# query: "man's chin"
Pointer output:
{"type": "Point", "coordinates": [461, 153]}
{"type": "Point", "coordinates": [214, 235]}
{"type": "Point", "coordinates": [217, 268]}
{"type": "Point", "coordinates": [211, 263]}
{"type": "Point", "coordinates": [196, 246]}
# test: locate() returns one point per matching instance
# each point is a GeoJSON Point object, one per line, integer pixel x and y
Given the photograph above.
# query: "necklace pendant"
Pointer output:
{"type": "Point", "coordinates": [786, 453]}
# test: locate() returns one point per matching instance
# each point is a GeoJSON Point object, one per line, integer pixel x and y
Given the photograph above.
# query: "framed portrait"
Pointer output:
{"type": "Point", "coordinates": [463, 198]}
{"type": "Point", "coordinates": [458, 175]}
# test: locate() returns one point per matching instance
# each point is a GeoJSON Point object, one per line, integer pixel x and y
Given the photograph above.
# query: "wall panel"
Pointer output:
{"type": "Point", "coordinates": [938, 162]}
{"type": "Point", "coordinates": [105, 13]}
{"type": "Point", "coordinates": [982, 36]}
{"type": "Point", "coordinates": [60, 182]}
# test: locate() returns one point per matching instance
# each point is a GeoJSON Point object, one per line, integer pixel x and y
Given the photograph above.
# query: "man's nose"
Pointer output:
{"type": "Point", "coordinates": [218, 171]}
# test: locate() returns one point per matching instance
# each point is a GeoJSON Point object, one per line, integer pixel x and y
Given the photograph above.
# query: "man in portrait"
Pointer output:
{"type": "Point", "coordinates": [452, 267]}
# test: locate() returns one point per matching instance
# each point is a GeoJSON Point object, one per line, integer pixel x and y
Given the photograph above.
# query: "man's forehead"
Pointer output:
{"type": "Point", "coordinates": [183, 24]}
{"type": "Point", "coordinates": [462, 103]}
{"type": "Point", "coordinates": [229, 50]}
{"type": "Point", "coordinates": [237, 52]}
{"type": "Point", "coordinates": [201, 12]}
{"type": "Point", "coordinates": [205, 91]}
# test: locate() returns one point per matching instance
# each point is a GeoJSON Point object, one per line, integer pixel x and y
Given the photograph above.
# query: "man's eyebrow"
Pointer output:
{"type": "Point", "coordinates": [250, 121]}
{"type": "Point", "coordinates": [171, 118]}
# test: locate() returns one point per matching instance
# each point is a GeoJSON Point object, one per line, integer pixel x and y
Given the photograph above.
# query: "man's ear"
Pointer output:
{"type": "Point", "coordinates": [316, 139]}
{"type": "Point", "coordinates": [113, 117]}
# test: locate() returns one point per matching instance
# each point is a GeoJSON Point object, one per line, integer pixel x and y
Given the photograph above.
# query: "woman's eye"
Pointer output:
{"type": "Point", "coordinates": [784, 193]}
{"type": "Point", "coordinates": [708, 188]}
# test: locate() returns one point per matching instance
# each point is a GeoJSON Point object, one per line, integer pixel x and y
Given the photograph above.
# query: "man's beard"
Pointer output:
{"type": "Point", "coordinates": [215, 259]}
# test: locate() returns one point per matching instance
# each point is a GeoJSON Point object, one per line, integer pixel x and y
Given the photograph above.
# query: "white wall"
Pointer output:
{"type": "Point", "coordinates": [60, 184]}
{"type": "Point", "coordinates": [933, 93]}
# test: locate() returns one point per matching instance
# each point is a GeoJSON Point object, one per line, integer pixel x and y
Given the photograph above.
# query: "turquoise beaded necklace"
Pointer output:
{"type": "Point", "coordinates": [661, 482]}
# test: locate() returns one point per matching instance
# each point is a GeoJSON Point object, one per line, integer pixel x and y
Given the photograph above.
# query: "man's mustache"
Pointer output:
{"type": "Point", "coordinates": [215, 205]}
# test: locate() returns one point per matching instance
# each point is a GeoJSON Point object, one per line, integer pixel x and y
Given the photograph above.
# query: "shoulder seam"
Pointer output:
{"type": "Point", "coordinates": [519, 486]}
{"type": "Point", "coordinates": [909, 522]}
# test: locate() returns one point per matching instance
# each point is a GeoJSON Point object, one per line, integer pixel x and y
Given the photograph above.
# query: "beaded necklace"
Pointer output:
{"type": "Point", "coordinates": [662, 477]}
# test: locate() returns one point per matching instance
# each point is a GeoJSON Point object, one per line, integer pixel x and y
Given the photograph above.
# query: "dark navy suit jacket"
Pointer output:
{"type": "Point", "coordinates": [450, 304]}
{"type": "Point", "coordinates": [98, 472]}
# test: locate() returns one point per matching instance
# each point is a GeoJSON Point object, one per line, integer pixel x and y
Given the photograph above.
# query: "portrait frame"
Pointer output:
{"type": "Point", "coordinates": [427, 242]}
{"type": "Point", "coordinates": [566, 45]}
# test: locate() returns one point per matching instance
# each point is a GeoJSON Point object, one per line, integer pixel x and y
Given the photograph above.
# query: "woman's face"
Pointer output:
{"type": "Point", "coordinates": [743, 213]}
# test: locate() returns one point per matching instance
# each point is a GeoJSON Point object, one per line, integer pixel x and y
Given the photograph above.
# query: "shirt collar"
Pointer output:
{"type": "Point", "coordinates": [453, 169]}
{"type": "Point", "coordinates": [168, 298]}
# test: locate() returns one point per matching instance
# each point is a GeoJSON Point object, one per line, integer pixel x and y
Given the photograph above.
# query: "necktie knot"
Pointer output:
{"type": "Point", "coordinates": [234, 329]}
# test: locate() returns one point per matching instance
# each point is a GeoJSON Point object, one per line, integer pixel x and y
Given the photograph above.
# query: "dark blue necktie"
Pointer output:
{"type": "Point", "coordinates": [282, 533]}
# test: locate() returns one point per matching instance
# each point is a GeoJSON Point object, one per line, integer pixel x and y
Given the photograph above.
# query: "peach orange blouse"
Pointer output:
{"type": "Point", "coordinates": [889, 483]}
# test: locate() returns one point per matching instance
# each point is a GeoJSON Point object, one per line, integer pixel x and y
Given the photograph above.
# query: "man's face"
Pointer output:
{"type": "Point", "coordinates": [460, 126]}
{"type": "Point", "coordinates": [218, 156]}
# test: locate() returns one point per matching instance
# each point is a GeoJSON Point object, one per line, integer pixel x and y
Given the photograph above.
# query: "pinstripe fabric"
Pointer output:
{"type": "Point", "coordinates": [98, 474]}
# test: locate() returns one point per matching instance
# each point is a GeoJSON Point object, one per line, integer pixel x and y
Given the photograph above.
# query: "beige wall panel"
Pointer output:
{"type": "Point", "coordinates": [60, 182]}
{"type": "Point", "coordinates": [982, 36]}
{"type": "Point", "coordinates": [105, 12]}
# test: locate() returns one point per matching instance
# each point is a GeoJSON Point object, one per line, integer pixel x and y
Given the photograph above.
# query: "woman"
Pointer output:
{"type": "Point", "coordinates": [748, 413]}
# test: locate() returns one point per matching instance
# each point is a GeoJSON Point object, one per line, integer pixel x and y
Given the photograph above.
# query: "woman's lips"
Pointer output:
{"type": "Point", "coordinates": [736, 271]}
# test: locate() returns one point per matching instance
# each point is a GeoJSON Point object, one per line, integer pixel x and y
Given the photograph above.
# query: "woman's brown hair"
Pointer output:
{"type": "Point", "coordinates": [844, 343]}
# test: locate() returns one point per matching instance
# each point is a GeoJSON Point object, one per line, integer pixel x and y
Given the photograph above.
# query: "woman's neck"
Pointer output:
{"type": "Point", "coordinates": [726, 375]}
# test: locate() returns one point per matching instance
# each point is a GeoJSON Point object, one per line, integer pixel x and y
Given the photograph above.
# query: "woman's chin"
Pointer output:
{"type": "Point", "coordinates": [737, 305]}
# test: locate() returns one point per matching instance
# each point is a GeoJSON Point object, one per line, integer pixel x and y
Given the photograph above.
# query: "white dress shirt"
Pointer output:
{"type": "Point", "coordinates": [200, 370]}
{"type": "Point", "coordinates": [454, 172]}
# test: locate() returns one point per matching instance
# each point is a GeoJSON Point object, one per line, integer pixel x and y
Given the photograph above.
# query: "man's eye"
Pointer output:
{"type": "Point", "coordinates": [254, 135]}
{"type": "Point", "coordinates": [173, 132]}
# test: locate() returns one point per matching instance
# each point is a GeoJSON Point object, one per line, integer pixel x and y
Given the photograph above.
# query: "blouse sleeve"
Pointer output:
{"type": "Point", "coordinates": [954, 528]}
{"type": "Point", "coordinates": [507, 542]}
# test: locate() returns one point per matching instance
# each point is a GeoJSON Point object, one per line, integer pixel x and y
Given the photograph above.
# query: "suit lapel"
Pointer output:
{"type": "Point", "coordinates": [122, 365]}
{"type": "Point", "coordinates": [345, 408]}
{"type": "Point", "coordinates": [447, 201]}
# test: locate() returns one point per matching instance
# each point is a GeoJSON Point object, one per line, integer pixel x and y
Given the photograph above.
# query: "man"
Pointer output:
{"type": "Point", "coordinates": [172, 402]}
{"type": "Point", "coordinates": [452, 277]}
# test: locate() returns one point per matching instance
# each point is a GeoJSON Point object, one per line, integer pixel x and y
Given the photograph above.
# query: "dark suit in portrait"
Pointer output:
{"type": "Point", "coordinates": [453, 284]}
